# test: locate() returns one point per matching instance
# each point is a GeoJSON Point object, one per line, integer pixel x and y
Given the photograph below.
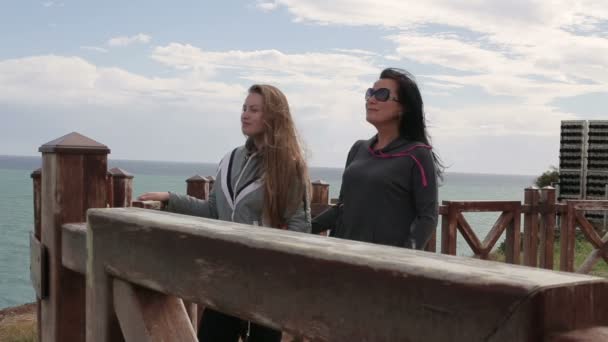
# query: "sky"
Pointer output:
{"type": "Point", "coordinates": [166, 80]}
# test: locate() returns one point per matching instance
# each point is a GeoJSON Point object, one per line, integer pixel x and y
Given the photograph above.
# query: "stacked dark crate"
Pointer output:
{"type": "Point", "coordinates": [597, 164]}
{"type": "Point", "coordinates": [572, 159]}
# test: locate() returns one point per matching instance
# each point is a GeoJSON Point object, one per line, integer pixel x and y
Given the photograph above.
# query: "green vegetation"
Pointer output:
{"type": "Point", "coordinates": [582, 249]}
{"type": "Point", "coordinates": [548, 177]}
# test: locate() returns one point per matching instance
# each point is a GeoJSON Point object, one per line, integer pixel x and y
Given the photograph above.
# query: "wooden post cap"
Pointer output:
{"type": "Point", "coordinates": [75, 143]}
{"type": "Point", "coordinates": [117, 172]}
{"type": "Point", "coordinates": [36, 173]}
{"type": "Point", "coordinates": [197, 178]}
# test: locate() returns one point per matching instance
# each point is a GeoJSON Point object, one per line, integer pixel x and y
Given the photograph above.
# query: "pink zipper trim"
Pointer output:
{"type": "Point", "coordinates": [406, 153]}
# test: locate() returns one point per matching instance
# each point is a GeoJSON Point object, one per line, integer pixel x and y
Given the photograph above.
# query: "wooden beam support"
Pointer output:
{"type": "Point", "coordinates": [149, 316]}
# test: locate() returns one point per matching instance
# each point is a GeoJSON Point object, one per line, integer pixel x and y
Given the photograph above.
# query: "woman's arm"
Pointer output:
{"type": "Point", "coordinates": [300, 220]}
{"type": "Point", "coordinates": [188, 205]}
{"type": "Point", "coordinates": [425, 200]}
{"type": "Point", "coordinates": [327, 219]}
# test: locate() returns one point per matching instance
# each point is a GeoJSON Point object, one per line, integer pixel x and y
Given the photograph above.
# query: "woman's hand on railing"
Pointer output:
{"type": "Point", "coordinates": [154, 196]}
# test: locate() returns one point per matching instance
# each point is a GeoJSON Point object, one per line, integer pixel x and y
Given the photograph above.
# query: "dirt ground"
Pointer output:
{"type": "Point", "coordinates": [18, 324]}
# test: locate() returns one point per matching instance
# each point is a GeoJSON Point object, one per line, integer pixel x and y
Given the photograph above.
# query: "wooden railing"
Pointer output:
{"type": "Point", "coordinates": [322, 289]}
{"type": "Point", "coordinates": [138, 263]}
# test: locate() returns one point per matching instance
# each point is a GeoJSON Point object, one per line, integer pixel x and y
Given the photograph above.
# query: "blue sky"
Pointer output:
{"type": "Point", "coordinates": [165, 80]}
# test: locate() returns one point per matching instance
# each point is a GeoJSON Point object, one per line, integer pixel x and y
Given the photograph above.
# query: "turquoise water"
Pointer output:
{"type": "Point", "coordinates": [16, 206]}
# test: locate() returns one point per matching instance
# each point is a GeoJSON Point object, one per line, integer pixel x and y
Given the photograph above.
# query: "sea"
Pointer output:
{"type": "Point", "coordinates": [17, 218]}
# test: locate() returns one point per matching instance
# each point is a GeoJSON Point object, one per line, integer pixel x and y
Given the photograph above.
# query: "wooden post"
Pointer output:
{"type": "Point", "coordinates": [513, 240]}
{"type": "Point", "coordinates": [319, 201]}
{"type": "Point", "coordinates": [547, 227]}
{"type": "Point", "coordinates": [211, 182]}
{"type": "Point", "coordinates": [198, 187]}
{"type": "Point", "coordinates": [37, 182]}
{"type": "Point", "coordinates": [320, 192]}
{"type": "Point", "coordinates": [37, 185]}
{"type": "Point", "coordinates": [431, 246]}
{"type": "Point", "coordinates": [122, 182]}
{"type": "Point", "coordinates": [567, 232]}
{"type": "Point", "coordinates": [531, 198]}
{"type": "Point", "coordinates": [110, 189]}
{"type": "Point", "coordinates": [448, 229]}
{"type": "Point", "coordinates": [73, 179]}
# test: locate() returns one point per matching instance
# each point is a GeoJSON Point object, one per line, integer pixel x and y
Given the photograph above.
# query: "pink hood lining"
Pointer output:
{"type": "Point", "coordinates": [406, 153]}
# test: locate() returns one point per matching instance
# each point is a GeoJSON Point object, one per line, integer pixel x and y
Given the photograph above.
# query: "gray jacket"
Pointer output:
{"type": "Point", "coordinates": [388, 196]}
{"type": "Point", "coordinates": [238, 195]}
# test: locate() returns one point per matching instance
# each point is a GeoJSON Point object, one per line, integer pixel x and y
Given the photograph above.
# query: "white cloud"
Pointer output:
{"type": "Point", "coordinates": [94, 48]}
{"type": "Point", "coordinates": [266, 6]}
{"type": "Point", "coordinates": [194, 104]}
{"type": "Point", "coordinates": [139, 38]}
{"type": "Point", "coordinates": [532, 51]}
{"type": "Point", "coordinates": [327, 65]}
{"type": "Point", "coordinates": [53, 4]}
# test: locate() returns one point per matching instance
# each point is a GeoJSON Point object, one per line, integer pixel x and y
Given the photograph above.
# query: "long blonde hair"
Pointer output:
{"type": "Point", "coordinates": [286, 182]}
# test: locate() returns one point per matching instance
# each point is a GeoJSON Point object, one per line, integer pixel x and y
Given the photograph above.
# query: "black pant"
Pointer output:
{"type": "Point", "coordinates": [218, 327]}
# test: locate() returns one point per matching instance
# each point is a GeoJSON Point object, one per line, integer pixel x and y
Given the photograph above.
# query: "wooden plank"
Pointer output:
{"type": "Point", "coordinates": [154, 205]}
{"type": "Point", "coordinates": [598, 253]}
{"type": "Point", "coordinates": [300, 283]}
{"type": "Point", "coordinates": [74, 247]}
{"type": "Point", "coordinates": [568, 229]}
{"type": "Point", "coordinates": [146, 315]}
{"type": "Point", "coordinates": [37, 187]}
{"type": "Point", "coordinates": [588, 230]}
{"type": "Point", "coordinates": [469, 236]}
{"type": "Point", "coordinates": [431, 246]}
{"type": "Point", "coordinates": [590, 261]}
{"type": "Point", "coordinates": [590, 204]}
{"type": "Point", "coordinates": [38, 267]}
{"type": "Point", "coordinates": [484, 206]}
{"type": "Point", "coordinates": [547, 229]}
{"type": "Point", "coordinates": [513, 239]}
{"type": "Point", "coordinates": [449, 225]}
{"type": "Point", "coordinates": [192, 310]}
{"type": "Point", "coordinates": [583, 335]}
{"type": "Point", "coordinates": [531, 222]}
{"type": "Point", "coordinates": [497, 229]}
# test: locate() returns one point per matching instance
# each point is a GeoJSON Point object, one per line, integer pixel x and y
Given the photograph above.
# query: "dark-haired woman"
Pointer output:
{"type": "Point", "coordinates": [389, 186]}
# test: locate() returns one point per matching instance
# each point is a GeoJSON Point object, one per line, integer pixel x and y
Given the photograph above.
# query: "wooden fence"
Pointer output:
{"type": "Point", "coordinates": [121, 273]}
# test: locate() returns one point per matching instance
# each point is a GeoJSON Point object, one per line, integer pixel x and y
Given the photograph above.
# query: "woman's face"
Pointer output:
{"type": "Point", "coordinates": [384, 112]}
{"type": "Point", "coordinates": [252, 121]}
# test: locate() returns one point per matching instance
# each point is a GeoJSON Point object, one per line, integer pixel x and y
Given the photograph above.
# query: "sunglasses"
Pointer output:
{"type": "Point", "coordinates": [381, 94]}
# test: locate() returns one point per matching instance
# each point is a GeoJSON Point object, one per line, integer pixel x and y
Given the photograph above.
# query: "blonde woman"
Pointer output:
{"type": "Point", "coordinates": [264, 182]}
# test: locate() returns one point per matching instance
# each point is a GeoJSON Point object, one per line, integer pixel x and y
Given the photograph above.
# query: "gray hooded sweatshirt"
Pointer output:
{"type": "Point", "coordinates": [388, 196]}
{"type": "Point", "coordinates": [238, 194]}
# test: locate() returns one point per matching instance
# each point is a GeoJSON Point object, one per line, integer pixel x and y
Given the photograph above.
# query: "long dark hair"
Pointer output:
{"type": "Point", "coordinates": [412, 125]}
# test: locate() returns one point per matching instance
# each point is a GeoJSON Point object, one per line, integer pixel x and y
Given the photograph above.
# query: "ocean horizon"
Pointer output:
{"type": "Point", "coordinates": [16, 204]}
